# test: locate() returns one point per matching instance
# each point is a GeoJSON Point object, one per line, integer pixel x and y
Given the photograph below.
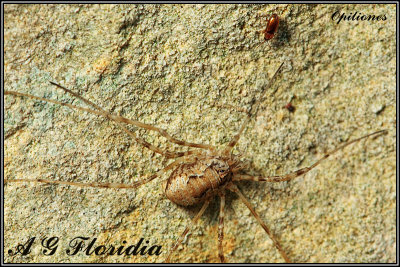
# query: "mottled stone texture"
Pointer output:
{"type": "Point", "coordinates": [179, 67]}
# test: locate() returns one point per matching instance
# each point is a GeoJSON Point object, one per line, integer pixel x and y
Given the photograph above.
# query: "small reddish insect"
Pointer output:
{"type": "Point", "coordinates": [272, 27]}
{"type": "Point", "coordinates": [290, 107]}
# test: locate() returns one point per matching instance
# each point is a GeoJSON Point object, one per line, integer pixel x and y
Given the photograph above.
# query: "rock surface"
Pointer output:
{"type": "Point", "coordinates": [179, 67]}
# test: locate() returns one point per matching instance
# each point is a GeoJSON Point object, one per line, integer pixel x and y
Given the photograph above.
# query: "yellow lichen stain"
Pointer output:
{"type": "Point", "coordinates": [101, 65]}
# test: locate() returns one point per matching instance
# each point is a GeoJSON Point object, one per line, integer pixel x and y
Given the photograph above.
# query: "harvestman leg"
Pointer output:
{"type": "Point", "coordinates": [236, 190]}
{"type": "Point", "coordinates": [253, 109]}
{"type": "Point", "coordinates": [184, 233]}
{"type": "Point", "coordinates": [136, 123]}
{"type": "Point", "coordinates": [132, 134]}
{"type": "Point", "coordinates": [286, 177]}
{"type": "Point", "coordinates": [292, 175]}
{"type": "Point", "coordinates": [221, 226]}
{"type": "Point", "coordinates": [117, 119]}
{"type": "Point", "coordinates": [103, 185]}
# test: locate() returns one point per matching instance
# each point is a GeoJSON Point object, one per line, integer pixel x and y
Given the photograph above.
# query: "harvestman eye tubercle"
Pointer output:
{"type": "Point", "coordinates": [197, 175]}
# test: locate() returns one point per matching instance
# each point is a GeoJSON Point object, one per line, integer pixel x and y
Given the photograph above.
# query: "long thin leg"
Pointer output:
{"type": "Point", "coordinates": [136, 123]}
{"type": "Point", "coordinates": [292, 175]}
{"type": "Point", "coordinates": [253, 111]}
{"type": "Point", "coordinates": [117, 119]}
{"type": "Point", "coordinates": [236, 190]}
{"type": "Point", "coordinates": [184, 233]}
{"type": "Point", "coordinates": [102, 185]}
{"type": "Point", "coordinates": [221, 227]}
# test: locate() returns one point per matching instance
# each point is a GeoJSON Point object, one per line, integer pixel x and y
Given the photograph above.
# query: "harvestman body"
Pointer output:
{"type": "Point", "coordinates": [198, 175]}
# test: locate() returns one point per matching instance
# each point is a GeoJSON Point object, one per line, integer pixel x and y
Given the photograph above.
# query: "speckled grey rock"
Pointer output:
{"type": "Point", "coordinates": [178, 67]}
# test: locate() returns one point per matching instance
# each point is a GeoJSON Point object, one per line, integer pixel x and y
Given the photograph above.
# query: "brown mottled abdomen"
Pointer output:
{"type": "Point", "coordinates": [192, 183]}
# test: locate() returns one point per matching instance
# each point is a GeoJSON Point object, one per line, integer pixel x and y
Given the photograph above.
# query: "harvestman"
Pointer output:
{"type": "Point", "coordinates": [198, 175]}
